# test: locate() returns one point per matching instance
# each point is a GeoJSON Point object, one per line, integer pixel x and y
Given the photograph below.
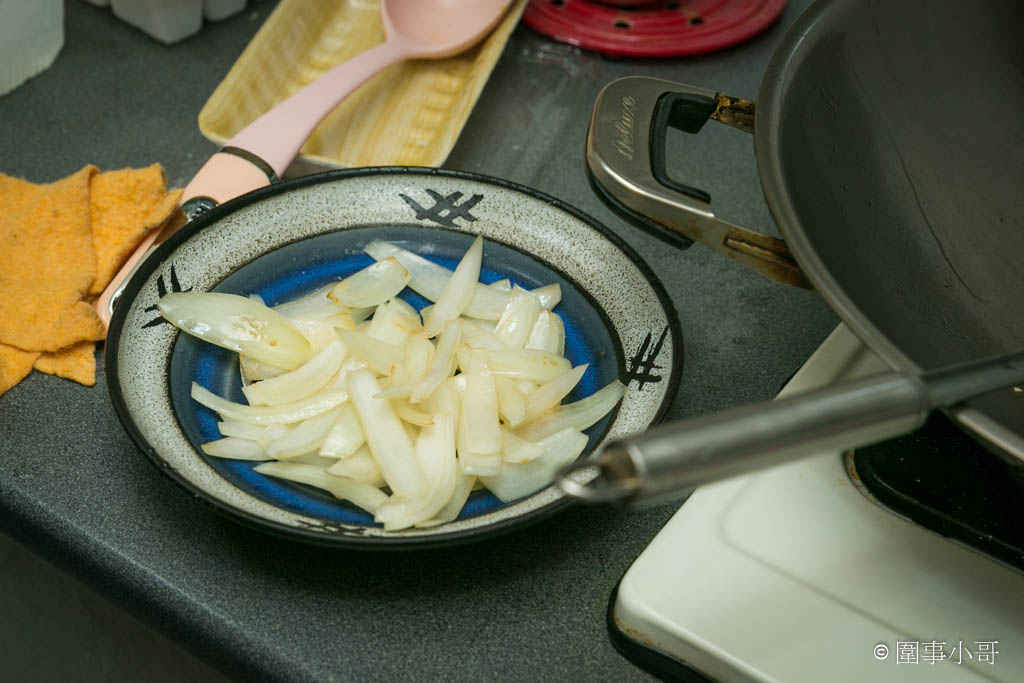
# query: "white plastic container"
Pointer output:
{"type": "Point", "coordinates": [166, 20]}
{"type": "Point", "coordinates": [171, 20]}
{"type": "Point", "coordinates": [31, 35]}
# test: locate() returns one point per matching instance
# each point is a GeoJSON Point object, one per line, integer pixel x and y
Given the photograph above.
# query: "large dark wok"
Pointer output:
{"type": "Point", "coordinates": [891, 153]}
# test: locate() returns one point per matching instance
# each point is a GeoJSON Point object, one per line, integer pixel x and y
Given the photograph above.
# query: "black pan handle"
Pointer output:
{"type": "Point", "coordinates": [627, 165]}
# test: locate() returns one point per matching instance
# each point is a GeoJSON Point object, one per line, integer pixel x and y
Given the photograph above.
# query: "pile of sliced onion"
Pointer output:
{"type": "Point", "coordinates": [350, 390]}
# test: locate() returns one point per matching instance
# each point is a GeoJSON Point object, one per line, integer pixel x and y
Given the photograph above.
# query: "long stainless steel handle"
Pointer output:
{"type": "Point", "coordinates": [626, 162]}
{"type": "Point", "coordinates": [687, 454]}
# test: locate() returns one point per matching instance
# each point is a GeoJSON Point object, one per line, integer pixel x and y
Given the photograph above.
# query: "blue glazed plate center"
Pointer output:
{"type": "Point", "coordinates": [300, 268]}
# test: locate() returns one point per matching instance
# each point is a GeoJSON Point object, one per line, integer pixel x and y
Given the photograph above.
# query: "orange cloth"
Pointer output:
{"type": "Point", "coordinates": [15, 365]}
{"type": "Point", "coordinates": [47, 263]}
{"type": "Point", "coordinates": [77, 362]}
{"type": "Point", "coordinates": [59, 244]}
{"type": "Point", "coordinates": [124, 205]}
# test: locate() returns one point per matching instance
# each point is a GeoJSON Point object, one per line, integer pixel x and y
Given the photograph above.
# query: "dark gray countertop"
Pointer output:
{"type": "Point", "coordinates": [527, 605]}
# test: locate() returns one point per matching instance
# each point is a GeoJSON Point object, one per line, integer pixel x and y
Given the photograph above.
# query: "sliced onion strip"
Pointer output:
{"type": "Point", "coordinates": [389, 444]}
{"type": "Point", "coordinates": [266, 415]}
{"type": "Point", "coordinates": [380, 356]}
{"type": "Point", "coordinates": [306, 437]}
{"type": "Point", "coordinates": [515, 449]}
{"type": "Point", "coordinates": [511, 402]}
{"type": "Point", "coordinates": [551, 393]}
{"type": "Point", "coordinates": [345, 436]}
{"type": "Point", "coordinates": [372, 285]}
{"type": "Point", "coordinates": [360, 466]}
{"type": "Point", "coordinates": [236, 449]}
{"type": "Point", "coordinates": [441, 364]}
{"type": "Point", "coordinates": [435, 449]}
{"type": "Point", "coordinates": [429, 279]}
{"type": "Point", "coordinates": [458, 291]}
{"type": "Point", "coordinates": [237, 323]}
{"type": "Point", "coordinates": [364, 495]}
{"type": "Point", "coordinates": [548, 334]}
{"type": "Point", "coordinates": [578, 415]}
{"type": "Point", "coordinates": [479, 435]}
{"type": "Point", "coordinates": [304, 381]}
{"type": "Point", "coordinates": [518, 320]}
{"type": "Point", "coordinates": [516, 480]}
{"type": "Point", "coordinates": [528, 364]}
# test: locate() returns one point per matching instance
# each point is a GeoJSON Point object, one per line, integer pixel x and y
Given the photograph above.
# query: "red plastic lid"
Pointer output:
{"type": "Point", "coordinates": [652, 29]}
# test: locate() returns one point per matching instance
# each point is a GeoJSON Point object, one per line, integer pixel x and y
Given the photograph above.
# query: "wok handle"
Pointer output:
{"type": "Point", "coordinates": [683, 455]}
{"type": "Point", "coordinates": [687, 454]}
{"type": "Point", "coordinates": [627, 165]}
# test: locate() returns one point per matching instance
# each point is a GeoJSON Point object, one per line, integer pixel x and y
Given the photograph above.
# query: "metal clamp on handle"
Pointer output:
{"type": "Point", "coordinates": [627, 165]}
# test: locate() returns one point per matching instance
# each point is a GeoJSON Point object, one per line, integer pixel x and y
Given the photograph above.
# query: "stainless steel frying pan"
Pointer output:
{"type": "Point", "coordinates": [890, 152]}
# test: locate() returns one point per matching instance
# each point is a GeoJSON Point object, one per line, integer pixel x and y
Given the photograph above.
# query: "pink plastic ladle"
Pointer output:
{"type": "Point", "coordinates": [260, 152]}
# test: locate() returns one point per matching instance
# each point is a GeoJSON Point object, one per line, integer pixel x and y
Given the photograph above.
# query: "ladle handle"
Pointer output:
{"type": "Point", "coordinates": [626, 159]}
{"type": "Point", "coordinates": [258, 154]}
{"type": "Point", "coordinates": [686, 454]}
{"type": "Point", "coordinates": [276, 136]}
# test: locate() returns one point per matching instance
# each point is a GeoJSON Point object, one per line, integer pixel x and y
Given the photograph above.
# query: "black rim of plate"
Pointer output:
{"type": "Point", "coordinates": [397, 542]}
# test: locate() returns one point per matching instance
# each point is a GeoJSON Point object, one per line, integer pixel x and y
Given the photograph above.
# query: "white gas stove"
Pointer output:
{"type": "Point", "coordinates": [794, 574]}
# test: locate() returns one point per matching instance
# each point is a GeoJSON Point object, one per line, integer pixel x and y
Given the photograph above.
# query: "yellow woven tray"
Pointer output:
{"type": "Point", "coordinates": [408, 115]}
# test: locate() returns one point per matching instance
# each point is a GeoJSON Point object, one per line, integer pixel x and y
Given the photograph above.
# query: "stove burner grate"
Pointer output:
{"type": "Point", "coordinates": [942, 479]}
